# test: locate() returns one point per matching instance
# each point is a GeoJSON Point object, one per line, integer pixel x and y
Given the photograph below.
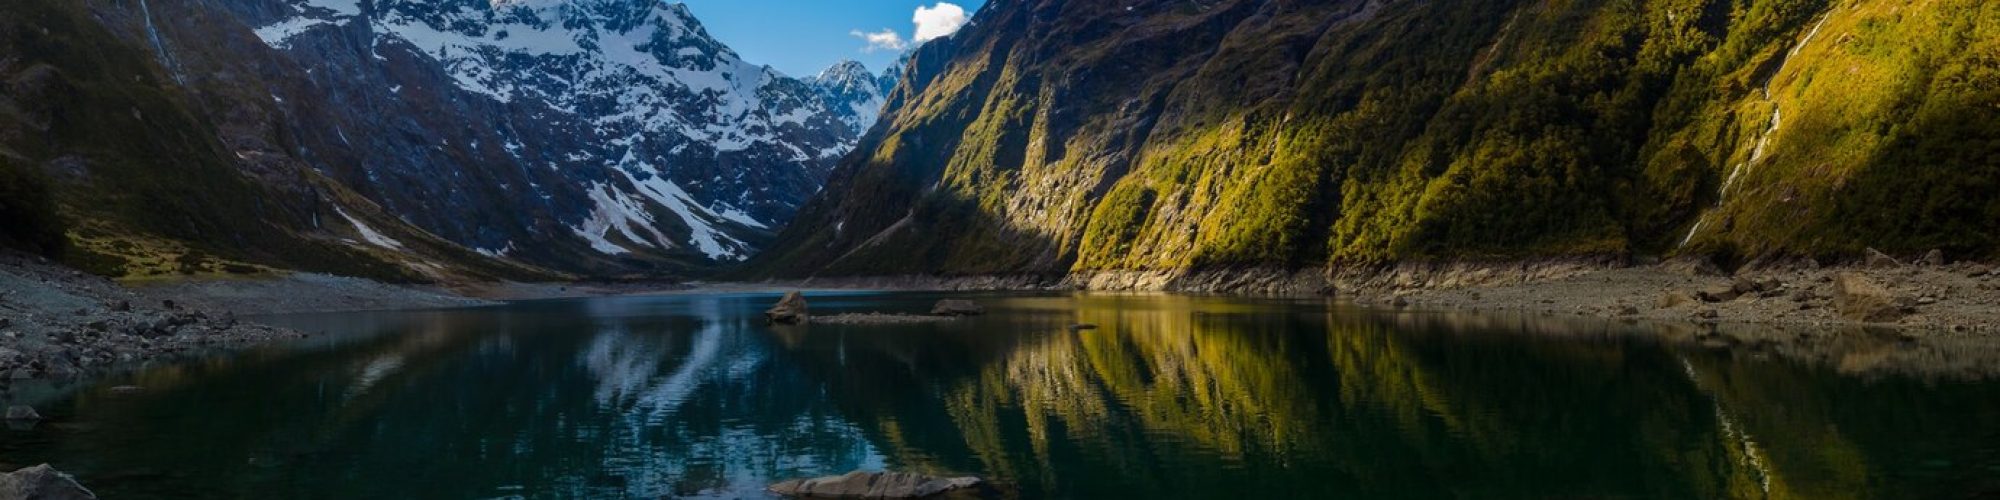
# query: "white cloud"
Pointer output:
{"type": "Point", "coordinates": [938, 21]}
{"type": "Point", "coordinates": [887, 39]}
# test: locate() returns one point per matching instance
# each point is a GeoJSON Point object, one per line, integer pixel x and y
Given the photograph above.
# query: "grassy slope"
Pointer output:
{"type": "Point", "coordinates": [1065, 137]}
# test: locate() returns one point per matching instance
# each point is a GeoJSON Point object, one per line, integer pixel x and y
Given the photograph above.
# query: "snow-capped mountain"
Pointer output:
{"type": "Point", "coordinates": [855, 94]}
{"type": "Point", "coordinates": [615, 131]}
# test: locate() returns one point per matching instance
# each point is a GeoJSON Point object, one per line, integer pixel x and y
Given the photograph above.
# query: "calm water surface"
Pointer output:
{"type": "Point", "coordinates": [1174, 397]}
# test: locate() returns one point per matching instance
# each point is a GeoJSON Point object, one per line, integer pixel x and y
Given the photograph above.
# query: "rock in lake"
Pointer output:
{"type": "Point", "coordinates": [42, 482]}
{"type": "Point", "coordinates": [22, 413]}
{"type": "Point", "coordinates": [860, 484]}
{"type": "Point", "coordinates": [790, 310]}
{"type": "Point", "coordinates": [955, 307]}
{"type": "Point", "coordinates": [1858, 298]}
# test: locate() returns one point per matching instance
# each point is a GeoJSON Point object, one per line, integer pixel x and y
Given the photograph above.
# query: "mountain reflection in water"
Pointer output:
{"type": "Point", "coordinates": [1173, 397]}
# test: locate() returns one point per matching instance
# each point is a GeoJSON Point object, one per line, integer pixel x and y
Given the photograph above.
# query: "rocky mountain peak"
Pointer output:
{"type": "Point", "coordinates": [853, 92]}
{"type": "Point", "coordinates": [668, 144]}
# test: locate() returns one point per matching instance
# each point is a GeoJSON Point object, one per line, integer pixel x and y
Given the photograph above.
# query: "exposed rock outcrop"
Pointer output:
{"type": "Point", "coordinates": [790, 310]}
{"type": "Point", "coordinates": [956, 307]}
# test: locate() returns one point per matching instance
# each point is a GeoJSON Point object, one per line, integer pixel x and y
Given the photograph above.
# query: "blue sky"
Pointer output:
{"type": "Point", "coordinates": [801, 37]}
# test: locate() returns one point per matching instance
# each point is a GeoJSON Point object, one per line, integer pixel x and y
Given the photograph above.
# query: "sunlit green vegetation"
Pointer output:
{"type": "Point", "coordinates": [1327, 134]}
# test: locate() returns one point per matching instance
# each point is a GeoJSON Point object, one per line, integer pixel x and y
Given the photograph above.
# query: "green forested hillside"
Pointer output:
{"type": "Point", "coordinates": [1056, 137]}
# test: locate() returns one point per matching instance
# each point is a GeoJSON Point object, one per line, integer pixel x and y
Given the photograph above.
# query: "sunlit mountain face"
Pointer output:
{"type": "Point", "coordinates": [1169, 397]}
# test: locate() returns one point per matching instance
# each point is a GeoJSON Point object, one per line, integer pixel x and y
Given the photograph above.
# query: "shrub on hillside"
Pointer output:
{"type": "Point", "coordinates": [28, 218]}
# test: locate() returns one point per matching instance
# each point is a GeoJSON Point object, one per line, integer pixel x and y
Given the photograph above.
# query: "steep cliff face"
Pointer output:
{"type": "Point", "coordinates": [591, 137]}
{"type": "Point", "coordinates": [1053, 137]}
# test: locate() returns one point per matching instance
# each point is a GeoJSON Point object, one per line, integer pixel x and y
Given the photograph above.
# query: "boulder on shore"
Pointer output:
{"type": "Point", "coordinates": [790, 310]}
{"type": "Point", "coordinates": [1934, 257]}
{"type": "Point", "coordinates": [1692, 265]}
{"type": "Point", "coordinates": [1878, 260]}
{"type": "Point", "coordinates": [955, 307]}
{"type": "Point", "coordinates": [42, 482]}
{"type": "Point", "coordinates": [1672, 300]}
{"type": "Point", "coordinates": [1858, 298]}
{"type": "Point", "coordinates": [860, 484]}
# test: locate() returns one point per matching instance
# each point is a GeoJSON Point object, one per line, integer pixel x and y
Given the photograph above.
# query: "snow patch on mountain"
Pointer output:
{"type": "Point", "coordinates": [706, 238]}
{"type": "Point", "coordinates": [369, 234]}
{"type": "Point", "coordinates": [702, 136]}
{"type": "Point", "coordinates": [859, 93]}
{"type": "Point", "coordinates": [615, 211]}
{"type": "Point", "coordinates": [280, 34]}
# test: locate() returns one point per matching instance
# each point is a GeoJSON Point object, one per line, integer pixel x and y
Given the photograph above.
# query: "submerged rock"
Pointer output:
{"type": "Point", "coordinates": [860, 484]}
{"type": "Point", "coordinates": [1858, 298]}
{"type": "Point", "coordinates": [790, 310]}
{"type": "Point", "coordinates": [22, 413]}
{"type": "Point", "coordinates": [877, 319]}
{"type": "Point", "coordinates": [955, 307]}
{"type": "Point", "coordinates": [42, 482]}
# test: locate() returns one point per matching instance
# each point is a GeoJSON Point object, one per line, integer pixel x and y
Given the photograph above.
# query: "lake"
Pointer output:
{"type": "Point", "coordinates": [1172, 397]}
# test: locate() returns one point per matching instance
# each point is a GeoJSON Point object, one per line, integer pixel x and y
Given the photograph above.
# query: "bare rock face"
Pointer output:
{"type": "Point", "coordinates": [790, 310]}
{"type": "Point", "coordinates": [860, 484]}
{"type": "Point", "coordinates": [954, 307]}
{"type": "Point", "coordinates": [42, 482]}
{"type": "Point", "coordinates": [1858, 298]}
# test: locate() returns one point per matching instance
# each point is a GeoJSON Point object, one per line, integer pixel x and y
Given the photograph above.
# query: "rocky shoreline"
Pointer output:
{"type": "Point", "coordinates": [59, 323]}
{"type": "Point", "coordinates": [1925, 295]}
{"type": "Point", "coordinates": [56, 322]}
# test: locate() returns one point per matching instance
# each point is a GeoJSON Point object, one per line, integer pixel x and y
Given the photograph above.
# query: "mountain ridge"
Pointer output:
{"type": "Point", "coordinates": [433, 140]}
{"type": "Point", "coordinates": [1066, 138]}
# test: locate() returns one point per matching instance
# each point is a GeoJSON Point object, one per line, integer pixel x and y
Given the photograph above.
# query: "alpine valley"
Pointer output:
{"type": "Point", "coordinates": [481, 140]}
{"type": "Point", "coordinates": [405, 139]}
{"type": "Point", "coordinates": [1062, 249]}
